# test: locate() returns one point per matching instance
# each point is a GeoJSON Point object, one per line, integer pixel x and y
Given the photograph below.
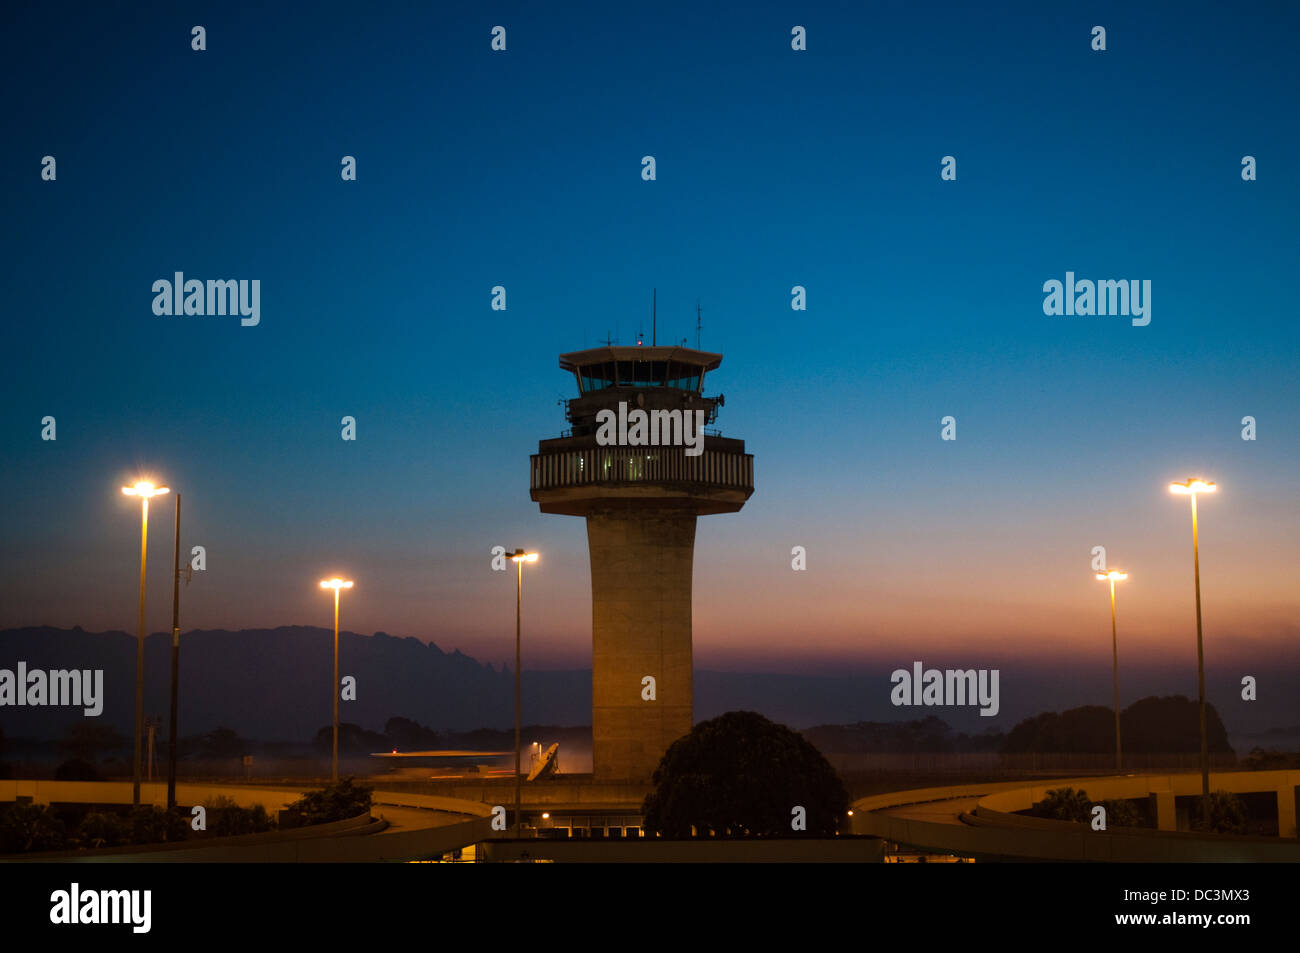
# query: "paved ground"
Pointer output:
{"type": "Point", "coordinates": [402, 819]}
{"type": "Point", "coordinates": [939, 812]}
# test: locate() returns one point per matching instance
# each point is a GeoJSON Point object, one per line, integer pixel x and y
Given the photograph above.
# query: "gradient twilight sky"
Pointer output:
{"type": "Point", "coordinates": [775, 168]}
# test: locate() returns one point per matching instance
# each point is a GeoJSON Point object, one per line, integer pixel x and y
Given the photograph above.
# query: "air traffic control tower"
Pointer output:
{"type": "Point", "coordinates": [641, 498]}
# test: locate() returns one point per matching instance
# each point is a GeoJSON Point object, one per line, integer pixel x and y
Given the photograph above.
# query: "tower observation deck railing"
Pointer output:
{"type": "Point", "coordinates": [613, 465]}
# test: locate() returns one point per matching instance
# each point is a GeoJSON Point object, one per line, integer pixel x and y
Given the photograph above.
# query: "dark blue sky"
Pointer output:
{"type": "Point", "coordinates": [775, 168]}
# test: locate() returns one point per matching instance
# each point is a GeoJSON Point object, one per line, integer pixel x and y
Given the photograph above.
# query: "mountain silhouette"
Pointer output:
{"type": "Point", "coordinates": [274, 685]}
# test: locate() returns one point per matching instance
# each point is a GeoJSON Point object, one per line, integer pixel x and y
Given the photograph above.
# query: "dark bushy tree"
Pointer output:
{"type": "Point", "coordinates": [408, 735]}
{"type": "Point", "coordinates": [31, 827]}
{"type": "Point", "coordinates": [1064, 804]}
{"type": "Point", "coordinates": [741, 775]}
{"type": "Point", "coordinates": [353, 739]}
{"type": "Point", "coordinates": [89, 741]}
{"type": "Point", "coordinates": [929, 734]}
{"type": "Point", "coordinates": [1151, 725]}
{"type": "Point", "coordinates": [1227, 814]}
{"type": "Point", "coordinates": [222, 743]}
{"type": "Point", "coordinates": [1085, 730]}
{"type": "Point", "coordinates": [225, 818]}
{"type": "Point", "coordinates": [1270, 759]}
{"type": "Point", "coordinates": [76, 770]}
{"type": "Point", "coordinates": [1172, 723]}
{"type": "Point", "coordinates": [337, 802]}
{"type": "Point", "coordinates": [154, 825]}
{"type": "Point", "coordinates": [1067, 804]}
{"type": "Point", "coordinates": [104, 829]}
{"type": "Point", "coordinates": [1122, 813]}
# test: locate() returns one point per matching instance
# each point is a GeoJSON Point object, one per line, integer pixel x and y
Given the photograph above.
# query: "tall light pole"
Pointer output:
{"type": "Point", "coordinates": [336, 584]}
{"type": "Point", "coordinates": [1190, 487]}
{"type": "Point", "coordinates": [1115, 576]}
{"type": "Point", "coordinates": [176, 657]}
{"type": "Point", "coordinates": [145, 490]}
{"type": "Point", "coordinates": [519, 557]}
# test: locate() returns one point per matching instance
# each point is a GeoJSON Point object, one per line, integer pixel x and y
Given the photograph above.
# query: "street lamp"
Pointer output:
{"type": "Point", "coordinates": [145, 490]}
{"type": "Point", "coordinates": [1114, 576]}
{"type": "Point", "coordinates": [1191, 487]}
{"type": "Point", "coordinates": [336, 584]}
{"type": "Point", "coordinates": [176, 655]}
{"type": "Point", "coordinates": [519, 557]}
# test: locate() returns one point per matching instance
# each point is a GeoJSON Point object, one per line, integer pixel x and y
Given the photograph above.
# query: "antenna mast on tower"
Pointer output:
{"type": "Point", "coordinates": [697, 324]}
{"type": "Point", "coordinates": [654, 318]}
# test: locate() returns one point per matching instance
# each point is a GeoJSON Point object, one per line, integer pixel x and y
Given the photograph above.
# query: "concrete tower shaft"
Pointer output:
{"type": "Point", "coordinates": [641, 503]}
{"type": "Point", "coordinates": [642, 557]}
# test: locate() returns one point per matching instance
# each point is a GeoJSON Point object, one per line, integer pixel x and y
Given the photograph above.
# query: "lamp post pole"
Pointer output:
{"type": "Point", "coordinates": [1114, 648]}
{"type": "Point", "coordinates": [1191, 487]}
{"type": "Point", "coordinates": [334, 763]}
{"type": "Point", "coordinates": [176, 657]}
{"type": "Point", "coordinates": [519, 602]}
{"type": "Point", "coordinates": [1200, 660]}
{"type": "Point", "coordinates": [144, 490]}
{"type": "Point", "coordinates": [519, 557]}
{"type": "Point", "coordinates": [139, 655]}
{"type": "Point", "coordinates": [1113, 576]}
{"type": "Point", "coordinates": [336, 584]}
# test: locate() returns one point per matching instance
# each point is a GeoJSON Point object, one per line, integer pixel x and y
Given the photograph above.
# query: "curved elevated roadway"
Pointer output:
{"type": "Point", "coordinates": [981, 820]}
{"type": "Point", "coordinates": [405, 826]}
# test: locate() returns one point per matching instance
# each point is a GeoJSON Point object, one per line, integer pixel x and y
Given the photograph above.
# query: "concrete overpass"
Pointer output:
{"type": "Point", "coordinates": [980, 820]}
{"type": "Point", "coordinates": [405, 826]}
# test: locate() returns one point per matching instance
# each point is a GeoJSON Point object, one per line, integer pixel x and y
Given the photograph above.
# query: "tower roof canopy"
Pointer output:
{"type": "Point", "coordinates": [575, 360]}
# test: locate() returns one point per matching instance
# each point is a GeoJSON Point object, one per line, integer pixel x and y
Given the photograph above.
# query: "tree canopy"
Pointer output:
{"type": "Point", "coordinates": [1150, 725]}
{"type": "Point", "coordinates": [741, 775]}
{"type": "Point", "coordinates": [339, 801]}
{"type": "Point", "coordinates": [353, 739]}
{"type": "Point", "coordinates": [89, 740]}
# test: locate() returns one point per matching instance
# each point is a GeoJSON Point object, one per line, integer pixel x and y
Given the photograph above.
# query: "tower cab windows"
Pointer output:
{"type": "Point", "coordinates": [602, 374]}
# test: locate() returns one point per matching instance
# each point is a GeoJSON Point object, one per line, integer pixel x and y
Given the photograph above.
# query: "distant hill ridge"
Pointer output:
{"type": "Point", "coordinates": [266, 683]}
{"type": "Point", "coordinates": [274, 685]}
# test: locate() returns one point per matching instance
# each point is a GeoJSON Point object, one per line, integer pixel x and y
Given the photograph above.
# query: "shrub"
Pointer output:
{"type": "Point", "coordinates": [225, 818]}
{"type": "Point", "coordinates": [75, 769]}
{"type": "Point", "coordinates": [1227, 814]}
{"type": "Point", "coordinates": [1122, 814]}
{"type": "Point", "coordinates": [1261, 759]}
{"type": "Point", "coordinates": [335, 802]}
{"type": "Point", "coordinates": [153, 825]}
{"type": "Point", "coordinates": [31, 827]}
{"type": "Point", "coordinates": [1064, 804]}
{"type": "Point", "coordinates": [105, 829]}
{"type": "Point", "coordinates": [740, 775]}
